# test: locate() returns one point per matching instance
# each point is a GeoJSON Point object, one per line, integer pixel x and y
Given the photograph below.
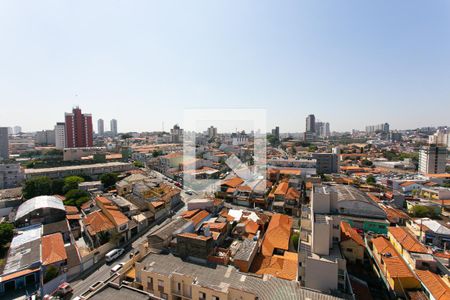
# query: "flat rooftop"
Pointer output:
{"type": "Point", "coordinates": [221, 278]}
{"type": "Point", "coordinates": [79, 167]}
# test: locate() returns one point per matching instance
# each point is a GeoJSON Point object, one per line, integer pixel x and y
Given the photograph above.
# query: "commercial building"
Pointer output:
{"type": "Point", "coordinates": [432, 159]}
{"type": "Point", "coordinates": [276, 132]}
{"type": "Point", "coordinates": [93, 170]}
{"type": "Point", "coordinates": [40, 209]}
{"type": "Point", "coordinates": [78, 129]}
{"type": "Point", "coordinates": [310, 132]}
{"type": "Point", "coordinates": [326, 163]}
{"type": "Point", "coordinates": [113, 125]}
{"type": "Point", "coordinates": [11, 175]}
{"type": "Point", "coordinates": [4, 143]}
{"type": "Point", "coordinates": [60, 135]}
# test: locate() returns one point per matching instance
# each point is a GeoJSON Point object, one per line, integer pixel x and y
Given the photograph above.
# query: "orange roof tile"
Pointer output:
{"type": "Point", "coordinates": [233, 182]}
{"type": "Point", "coordinates": [281, 266]}
{"type": "Point", "coordinates": [350, 233]}
{"type": "Point", "coordinates": [277, 235]}
{"type": "Point", "coordinates": [435, 284]}
{"type": "Point", "coordinates": [407, 240]}
{"type": "Point", "coordinates": [200, 216]}
{"type": "Point", "coordinates": [96, 222]}
{"type": "Point", "coordinates": [251, 227]}
{"type": "Point", "coordinates": [53, 250]}
{"type": "Point", "coordinates": [395, 265]}
{"type": "Point", "coordinates": [18, 274]}
{"type": "Point", "coordinates": [292, 194]}
{"type": "Point", "coordinates": [189, 213]}
{"type": "Point", "coordinates": [194, 236]}
{"type": "Point", "coordinates": [282, 188]}
{"type": "Point", "coordinates": [71, 210]}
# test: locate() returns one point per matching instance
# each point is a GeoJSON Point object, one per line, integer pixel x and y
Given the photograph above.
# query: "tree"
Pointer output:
{"type": "Point", "coordinates": [312, 148]}
{"type": "Point", "coordinates": [126, 136]}
{"type": "Point", "coordinates": [295, 238]}
{"type": "Point", "coordinates": [51, 273]}
{"type": "Point", "coordinates": [371, 180]}
{"type": "Point", "coordinates": [57, 186]}
{"type": "Point", "coordinates": [366, 163]}
{"type": "Point", "coordinates": [37, 186]}
{"type": "Point", "coordinates": [157, 153]}
{"type": "Point", "coordinates": [420, 211]}
{"type": "Point", "coordinates": [108, 179]}
{"type": "Point", "coordinates": [6, 233]}
{"type": "Point", "coordinates": [138, 164]}
{"type": "Point", "coordinates": [71, 183]}
{"type": "Point", "coordinates": [76, 197]}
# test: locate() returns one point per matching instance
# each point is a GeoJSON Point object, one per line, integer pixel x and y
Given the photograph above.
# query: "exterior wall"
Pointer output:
{"type": "Point", "coordinates": [10, 176]}
{"type": "Point", "coordinates": [4, 143]}
{"type": "Point", "coordinates": [60, 136]}
{"type": "Point", "coordinates": [352, 251]}
{"type": "Point", "coordinates": [320, 203]}
{"type": "Point", "coordinates": [321, 275]}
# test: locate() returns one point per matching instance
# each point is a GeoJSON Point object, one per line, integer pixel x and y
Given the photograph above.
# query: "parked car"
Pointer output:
{"type": "Point", "coordinates": [132, 254]}
{"type": "Point", "coordinates": [189, 192]}
{"type": "Point", "coordinates": [117, 267]}
{"type": "Point", "coordinates": [113, 254]}
{"type": "Point", "coordinates": [63, 290]}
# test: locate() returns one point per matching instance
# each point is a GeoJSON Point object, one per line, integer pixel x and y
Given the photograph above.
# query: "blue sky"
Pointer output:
{"type": "Point", "coordinates": [351, 63]}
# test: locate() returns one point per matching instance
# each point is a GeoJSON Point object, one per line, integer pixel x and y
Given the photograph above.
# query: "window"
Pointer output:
{"type": "Point", "coordinates": [164, 296]}
{"type": "Point", "coordinates": [161, 286]}
{"type": "Point", "coordinates": [201, 296]}
{"type": "Point", "coordinates": [179, 287]}
{"type": "Point", "coordinates": [215, 298]}
{"type": "Point", "coordinates": [150, 284]}
{"type": "Point", "coordinates": [349, 250]}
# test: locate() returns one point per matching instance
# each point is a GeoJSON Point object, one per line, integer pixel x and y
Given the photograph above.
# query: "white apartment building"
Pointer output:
{"type": "Point", "coordinates": [432, 159]}
{"type": "Point", "coordinates": [60, 135]}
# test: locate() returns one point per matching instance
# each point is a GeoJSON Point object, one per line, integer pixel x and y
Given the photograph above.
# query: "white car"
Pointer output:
{"type": "Point", "coordinates": [117, 267]}
{"type": "Point", "coordinates": [113, 254]}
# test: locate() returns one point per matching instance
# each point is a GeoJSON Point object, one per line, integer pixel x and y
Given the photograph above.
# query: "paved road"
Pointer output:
{"type": "Point", "coordinates": [102, 273]}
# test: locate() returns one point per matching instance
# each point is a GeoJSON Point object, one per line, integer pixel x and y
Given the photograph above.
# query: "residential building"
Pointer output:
{"type": "Point", "coordinates": [100, 127]}
{"type": "Point", "coordinates": [239, 138]}
{"type": "Point", "coordinates": [78, 129]}
{"type": "Point", "coordinates": [326, 163]}
{"type": "Point", "coordinates": [394, 271]}
{"type": "Point", "coordinates": [170, 277]}
{"type": "Point", "coordinates": [113, 124]}
{"type": "Point", "coordinates": [430, 232]}
{"type": "Point", "coordinates": [45, 137]}
{"type": "Point", "coordinates": [17, 129]}
{"type": "Point", "coordinates": [176, 134]}
{"type": "Point", "coordinates": [407, 245]}
{"type": "Point", "coordinates": [4, 143]}
{"type": "Point", "coordinates": [276, 132]}
{"type": "Point", "coordinates": [432, 159]}
{"type": "Point", "coordinates": [352, 244]}
{"type": "Point", "coordinates": [60, 135]}
{"type": "Point", "coordinates": [11, 175]}
{"type": "Point", "coordinates": [310, 132]}
{"type": "Point", "coordinates": [384, 127]}
{"type": "Point", "coordinates": [434, 286]}
{"type": "Point", "coordinates": [212, 132]}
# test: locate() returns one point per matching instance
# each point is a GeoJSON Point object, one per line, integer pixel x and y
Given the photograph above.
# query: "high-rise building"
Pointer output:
{"type": "Point", "coordinates": [276, 132]}
{"type": "Point", "coordinates": [441, 137]}
{"type": "Point", "coordinates": [45, 137]}
{"type": "Point", "coordinates": [4, 143]}
{"type": "Point", "coordinates": [113, 124]}
{"type": "Point", "coordinates": [212, 132]}
{"type": "Point", "coordinates": [100, 127]}
{"type": "Point", "coordinates": [78, 129]}
{"type": "Point", "coordinates": [432, 159]}
{"type": "Point", "coordinates": [378, 128]}
{"type": "Point", "coordinates": [310, 132]}
{"type": "Point", "coordinates": [17, 129]}
{"type": "Point", "coordinates": [177, 134]}
{"type": "Point", "coordinates": [326, 163]}
{"type": "Point", "coordinates": [60, 135]}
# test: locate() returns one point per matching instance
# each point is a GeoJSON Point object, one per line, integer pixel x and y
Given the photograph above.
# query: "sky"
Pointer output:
{"type": "Point", "coordinates": [351, 63]}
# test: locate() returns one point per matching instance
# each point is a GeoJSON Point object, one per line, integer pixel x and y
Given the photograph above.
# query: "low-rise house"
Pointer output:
{"type": "Point", "coordinates": [352, 244]}
{"type": "Point", "coordinates": [245, 255]}
{"type": "Point", "coordinates": [395, 272]}
{"type": "Point", "coordinates": [435, 287]}
{"type": "Point", "coordinates": [113, 213]}
{"type": "Point", "coordinates": [98, 228]}
{"type": "Point", "coordinates": [195, 246]}
{"type": "Point", "coordinates": [430, 232]}
{"type": "Point", "coordinates": [161, 237]}
{"type": "Point", "coordinates": [53, 252]}
{"type": "Point", "coordinates": [228, 187]}
{"type": "Point", "coordinates": [407, 245]}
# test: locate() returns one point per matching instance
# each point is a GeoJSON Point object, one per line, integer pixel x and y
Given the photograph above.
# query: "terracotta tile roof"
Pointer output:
{"type": "Point", "coordinates": [113, 211]}
{"type": "Point", "coordinates": [73, 217]}
{"type": "Point", "coordinates": [395, 265]}
{"type": "Point", "coordinates": [290, 172]}
{"type": "Point", "coordinates": [17, 274]}
{"type": "Point", "coordinates": [282, 188]}
{"type": "Point", "coordinates": [198, 217]}
{"type": "Point", "coordinates": [281, 266]}
{"type": "Point", "coordinates": [393, 214]}
{"type": "Point", "coordinates": [244, 188]}
{"type": "Point", "coordinates": [407, 240]}
{"type": "Point", "coordinates": [157, 204]}
{"type": "Point", "coordinates": [408, 183]}
{"type": "Point", "coordinates": [189, 213]}
{"type": "Point", "coordinates": [251, 227]}
{"type": "Point", "coordinates": [309, 185]}
{"type": "Point", "coordinates": [216, 226]}
{"type": "Point", "coordinates": [435, 284]}
{"type": "Point", "coordinates": [373, 197]}
{"type": "Point", "coordinates": [71, 210]}
{"type": "Point", "coordinates": [292, 194]}
{"type": "Point", "coordinates": [277, 235]}
{"type": "Point", "coordinates": [53, 250]}
{"type": "Point", "coordinates": [233, 182]}
{"type": "Point", "coordinates": [96, 222]}
{"type": "Point", "coordinates": [194, 236]}
{"type": "Point", "coordinates": [350, 233]}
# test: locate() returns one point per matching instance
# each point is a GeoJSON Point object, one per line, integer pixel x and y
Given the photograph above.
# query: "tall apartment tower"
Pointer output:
{"type": "Point", "coordinates": [114, 127]}
{"type": "Point", "coordinates": [276, 132]}
{"type": "Point", "coordinates": [4, 143]}
{"type": "Point", "coordinates": [78, 129]}
{"type": "Point", "coordinates": [212, 132]}
{"type": "Point", "coordinates": [100, 127]}
{"type": "Point", "coordinates": [310, 131]}
{"type": "Point", "coordinates": [432, 159]}
{"type": "Point", "coordinates": [60, 135]}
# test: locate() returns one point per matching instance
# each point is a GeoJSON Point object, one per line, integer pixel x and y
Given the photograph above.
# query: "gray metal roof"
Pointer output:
{"type": "Point", "coordinates": [37, 203]}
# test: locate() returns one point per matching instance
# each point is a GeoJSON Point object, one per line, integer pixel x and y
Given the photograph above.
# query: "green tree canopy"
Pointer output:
{"type": "Point", "coordinates": [76, 197]}
{"type": "Point", "coordinates": [71, 183]}
{"type": "Point", "coordinates": [371, 180]}
{"type": "Point", "coordinates": [108, 179]}
{"type": "Point", "coordinates": [37, 186]}
{"type": "Point", "coordinates": [6, 233]}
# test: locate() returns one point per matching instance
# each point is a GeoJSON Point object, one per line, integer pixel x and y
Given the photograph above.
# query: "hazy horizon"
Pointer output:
{"type": "Point", "coordinates": [142, 63]}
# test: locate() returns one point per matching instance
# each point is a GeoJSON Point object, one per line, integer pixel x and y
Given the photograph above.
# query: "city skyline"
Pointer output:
{"type": "Point", "coordinates": [295, 59]}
